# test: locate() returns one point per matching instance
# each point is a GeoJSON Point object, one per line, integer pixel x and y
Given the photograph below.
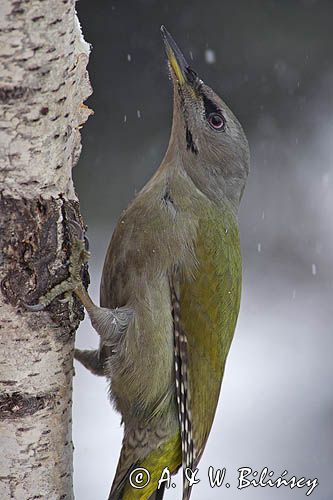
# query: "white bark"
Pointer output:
{"type": "Point", "coordinates": [43, 84]}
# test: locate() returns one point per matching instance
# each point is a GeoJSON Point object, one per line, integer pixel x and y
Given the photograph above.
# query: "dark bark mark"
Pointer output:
{"type": "Point", "coordinates": [56, 21]}
{"type": "Point", "coordinates": [9, 93]}
{"type": "Point", "coordinates": [18, 405]}
{"type": "Point", "coordinates": [37, 18]}
{"type": "Point", "coordinates": [32, 261]}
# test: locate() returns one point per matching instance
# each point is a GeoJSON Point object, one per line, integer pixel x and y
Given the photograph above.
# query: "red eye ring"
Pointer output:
{"type": "Point", "coordinates": [216, 121]}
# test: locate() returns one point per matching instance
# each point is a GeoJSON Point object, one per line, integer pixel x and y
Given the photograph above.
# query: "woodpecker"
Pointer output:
{"type": "Point", "coordinates": [170, 289]}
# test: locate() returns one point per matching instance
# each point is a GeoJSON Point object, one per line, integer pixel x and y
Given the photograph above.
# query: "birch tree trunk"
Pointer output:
{"type": "Point", "coordinates": [43, 83]}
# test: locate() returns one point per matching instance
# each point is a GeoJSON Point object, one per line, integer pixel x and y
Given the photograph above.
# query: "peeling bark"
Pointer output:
{"type": "Point", "coordinates": [43, 84]}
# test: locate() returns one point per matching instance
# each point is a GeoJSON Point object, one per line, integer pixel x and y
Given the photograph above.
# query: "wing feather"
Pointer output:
{"type": "Point", "coordinates": [182, 385]}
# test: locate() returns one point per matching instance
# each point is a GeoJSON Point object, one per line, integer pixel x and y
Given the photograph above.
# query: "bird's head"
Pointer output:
{"type": "Point", "coordinates": [206, 136]}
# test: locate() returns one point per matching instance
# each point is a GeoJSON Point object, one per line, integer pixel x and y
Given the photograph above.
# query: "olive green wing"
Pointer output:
{"type": "Point", "coordinates": [208, 310]}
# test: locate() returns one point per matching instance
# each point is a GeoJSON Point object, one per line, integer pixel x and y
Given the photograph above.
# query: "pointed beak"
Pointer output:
{"type": "Point", "coordinates": [177, 61]}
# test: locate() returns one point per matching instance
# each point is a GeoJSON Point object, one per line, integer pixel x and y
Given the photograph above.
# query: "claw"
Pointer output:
{"type": "Point", "coordinates": [33, 307]}
{"type": "Point", "coordinates": [79, 256]}
{"type": "Point", "coordinates": [79, 231]}
{"type": "Point", "coordinates": [86, 243]}
{"type": "Point", "coordinates": [64, 301]}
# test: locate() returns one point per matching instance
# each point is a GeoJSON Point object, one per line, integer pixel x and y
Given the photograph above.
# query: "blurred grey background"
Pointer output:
{"type": "Point", "coordinates": [272, 63]}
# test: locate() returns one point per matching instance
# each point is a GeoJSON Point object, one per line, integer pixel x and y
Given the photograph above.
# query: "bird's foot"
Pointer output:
{"type": "Point", "coordinates": [79, 256]}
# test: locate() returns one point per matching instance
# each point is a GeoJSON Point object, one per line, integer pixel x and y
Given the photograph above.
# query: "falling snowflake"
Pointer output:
{"type": "Point", "coordinates": [210, 56]}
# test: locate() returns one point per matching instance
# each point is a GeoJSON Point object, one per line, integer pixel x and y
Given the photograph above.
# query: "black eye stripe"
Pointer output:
{"type": "Point", "coordinates": [210, 107]}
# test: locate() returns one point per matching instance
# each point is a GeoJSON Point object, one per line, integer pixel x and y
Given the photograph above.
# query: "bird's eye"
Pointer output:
{"type": "Point", "coordinates": [216, 121]}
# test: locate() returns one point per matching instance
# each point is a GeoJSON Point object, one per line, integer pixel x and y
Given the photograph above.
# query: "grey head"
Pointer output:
{"type": "Point", "coordinates": [206, 139]}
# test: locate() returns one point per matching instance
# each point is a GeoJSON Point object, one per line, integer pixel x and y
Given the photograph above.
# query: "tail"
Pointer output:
{"type": "Point", "coordinates": [158, 494]}
{"type": "Point", "coordinates": [144, 456]}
